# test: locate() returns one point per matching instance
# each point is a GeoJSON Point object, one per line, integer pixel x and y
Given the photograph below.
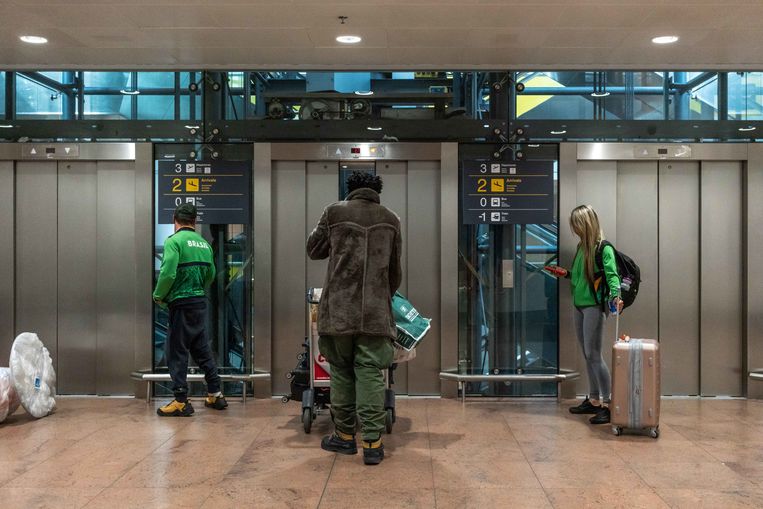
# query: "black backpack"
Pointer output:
{"type": "Point", "coordinates": [630, 277]}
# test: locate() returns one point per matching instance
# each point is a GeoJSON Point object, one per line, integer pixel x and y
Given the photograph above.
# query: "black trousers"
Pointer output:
{"type": "Point", "coordinates": [188, 334]}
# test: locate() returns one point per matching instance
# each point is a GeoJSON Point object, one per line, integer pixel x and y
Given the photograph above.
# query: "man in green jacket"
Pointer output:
{"type": "Point", "coordinates": [187, 271]}
{"type": "Point", "coordinates": [361, 239]}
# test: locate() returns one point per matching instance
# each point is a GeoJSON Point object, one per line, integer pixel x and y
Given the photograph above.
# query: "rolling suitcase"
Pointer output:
{"type": "Point", "coordinates": [635, 386]}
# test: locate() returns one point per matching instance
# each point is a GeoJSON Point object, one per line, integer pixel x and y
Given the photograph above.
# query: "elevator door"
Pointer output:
{"type": "Point", "coordinates": [681, 221]}
{"type": "Point", "coordinates": [300, 192]}
{"type": "Point", "coordinates": [71, 268]}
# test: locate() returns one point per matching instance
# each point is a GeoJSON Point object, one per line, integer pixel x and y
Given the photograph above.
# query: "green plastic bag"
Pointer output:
{"type": "Point", "coordinates": [411, 326]}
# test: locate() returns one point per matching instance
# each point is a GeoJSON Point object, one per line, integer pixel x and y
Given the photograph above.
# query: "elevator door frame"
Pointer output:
{"type": "Point", "coordinates": [265, 154]}
{"type": "Point", "coordinates": [141, 155]}
{"type": "Point", "coordinates": [750, 156]}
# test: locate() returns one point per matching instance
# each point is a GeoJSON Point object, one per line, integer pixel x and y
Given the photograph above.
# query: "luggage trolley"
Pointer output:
{"type": "Point", "coordinates": [311, 379]}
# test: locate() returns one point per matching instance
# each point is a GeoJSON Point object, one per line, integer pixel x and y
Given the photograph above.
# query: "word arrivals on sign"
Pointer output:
{"type": "Point", "coordinates": [507, 193]}
{"type": "Point", "coordinates": [219, 189]}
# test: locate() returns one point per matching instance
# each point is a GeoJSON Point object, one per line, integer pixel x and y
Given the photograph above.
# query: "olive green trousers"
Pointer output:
{"type": "Point", "coordinates": [357, 381]}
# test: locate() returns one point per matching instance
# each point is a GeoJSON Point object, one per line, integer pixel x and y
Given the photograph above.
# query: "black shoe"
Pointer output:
{"type": "Point", "coordinates": [333, 443]}
{"type": "Point", "coordinates": [585, 408]}
{"type": "Point", "coordinates": [216, 402]}
{"type": "Point", "coordinates": [601, 417]}
{"type": "Point", "coordinates": [373, 453]}
{"type": "Point", "coordinates": [175, 409]}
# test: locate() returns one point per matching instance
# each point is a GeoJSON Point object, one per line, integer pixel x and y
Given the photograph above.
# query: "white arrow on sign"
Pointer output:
{"type": "Point", "coordinates": [339, 151]}
{"type": "Point", "coordinates": [67, 149]}
{"type": "Point", "coordinates": [33, 152]}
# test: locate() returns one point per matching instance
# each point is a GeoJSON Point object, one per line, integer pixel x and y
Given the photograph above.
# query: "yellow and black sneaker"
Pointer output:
{"type": "Point", "coordinates": [176, 409]}
{"type": "Point", "coordinates": [373, 452]}
{"type": "Point", "coordinates": [217, 402]}
{"type": "Point", "coordinates": [339, 442]}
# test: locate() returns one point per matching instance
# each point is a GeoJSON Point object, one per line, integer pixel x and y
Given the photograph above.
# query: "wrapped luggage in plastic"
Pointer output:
{"type": "Point", "coordinates": [9, 398]}
{"type": "Point", "coordinates": [33, 374]}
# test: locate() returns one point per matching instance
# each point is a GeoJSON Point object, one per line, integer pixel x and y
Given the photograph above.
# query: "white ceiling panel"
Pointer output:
{"type": "Point", "coordinates": [397, 34]}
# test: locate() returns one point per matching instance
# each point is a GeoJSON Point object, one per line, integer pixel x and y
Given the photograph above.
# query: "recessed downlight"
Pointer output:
{"type": "Point", "coordinates": [599, 94]}
{"type": "Point", "coordinates": [349, 39]}
{"type": "Point", "coordinates": [747, 129]}
{"type": "Point", "coordinates": [129, 92]}
{"type": "Point", "coordinates": [559, 132]}
{"type": "Point", "coordinates": [364, 92]}
{"type": "Point", "coordinates": [6, 126]}
{"type": "Point", "coordinates": [33, 39]}
{"type": "Point", "coordinates": [665, 39]}
{"type": "Point", "coordinates": [373, 128]}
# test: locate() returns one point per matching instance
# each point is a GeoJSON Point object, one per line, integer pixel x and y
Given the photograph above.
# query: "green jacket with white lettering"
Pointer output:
{"type": "Point", "coordinates": [187, 267]}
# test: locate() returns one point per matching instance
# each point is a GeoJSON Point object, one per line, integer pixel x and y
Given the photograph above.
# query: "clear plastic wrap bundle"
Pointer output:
{"type": "Point", "coordinates": [9, 398]}
{"type": "Point", "coordinates": [33, 374]}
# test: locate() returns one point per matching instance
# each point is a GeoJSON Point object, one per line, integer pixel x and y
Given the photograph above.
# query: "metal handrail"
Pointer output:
{"type": "Point", "coordinates": [148, 376]}
{"type": "Point", "coordinates": [564, 375]}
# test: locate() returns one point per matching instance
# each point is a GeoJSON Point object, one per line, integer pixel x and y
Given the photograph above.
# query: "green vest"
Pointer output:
{"type": "Point", "coordinates": [187, 267]}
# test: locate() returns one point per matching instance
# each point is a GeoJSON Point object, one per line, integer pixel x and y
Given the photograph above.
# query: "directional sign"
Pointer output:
{"type": "Point", "coordinates": [507, 193]}
{"type": "Point", "coordinates": [219, 189]}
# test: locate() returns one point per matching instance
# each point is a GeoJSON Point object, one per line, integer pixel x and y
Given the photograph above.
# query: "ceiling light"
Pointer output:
{"type": "Point", "coordinates": [6, 126]}
{"type": "Point", "coordinates": [599, 94]}
{"type": "Point", "coordinates": [665, 39]}
{"type": "Point", "coordinates": [129, 92]}
{"type": "Point", "coordinates": [374, 128]}
{"type": "Point", "coordinates": [559, 132]}
{"type": "Point", "coordinates": [362, 92]}
{"type": "Point", "coordinates": [33, 39]}
{"type": "Point", "coordinates": [533, 145]}
{"type": "Point", "coordinates": [747, 129]}
{"type": "Point", "coordinates": [348, 39]}
{"type": "Point", "coordinates": [191, 127]}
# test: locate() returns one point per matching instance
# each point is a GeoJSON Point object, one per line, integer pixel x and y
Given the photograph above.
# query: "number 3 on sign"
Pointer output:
{"type": "Point", "coordinates": [482, 185]}
{"type": "Point", "coordinates": [483, 168]}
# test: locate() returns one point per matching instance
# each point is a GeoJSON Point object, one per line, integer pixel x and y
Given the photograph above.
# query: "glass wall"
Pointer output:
{"type": "Point", "coordinates": [229, 316]}
{"type": "Point", "coordinates": [746, 95]}
{"type": "Point", "coordinates": [508, 318]}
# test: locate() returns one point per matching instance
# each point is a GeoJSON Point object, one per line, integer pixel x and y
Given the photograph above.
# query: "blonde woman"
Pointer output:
{"type": "Point", "coordinates": [588, 293]}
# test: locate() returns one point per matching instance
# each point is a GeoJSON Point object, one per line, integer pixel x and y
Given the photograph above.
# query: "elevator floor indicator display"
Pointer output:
{"type": "Point", "coordinates": [219, 189]}
{"type": "Point", "coordinates": [507, 193]}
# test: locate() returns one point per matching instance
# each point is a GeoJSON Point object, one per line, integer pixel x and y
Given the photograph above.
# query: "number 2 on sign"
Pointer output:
{"type": "Point", "coordinates": [176, 185]}
{"type": "Point", "coordinates": [481, 185]}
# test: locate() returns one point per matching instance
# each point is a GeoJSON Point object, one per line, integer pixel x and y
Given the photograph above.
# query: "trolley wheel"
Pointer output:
{"type": "Point", "coordinates": [301, 356]}
{"type": "Point", "coordinates": [285, 399]}
{"type": "Point", "coordinates": [654, 432]}
{"type": "Point", "coordinates": [388, 420]}
{"type": "Point", "coordinates": [289, 375]}
{"type": "Point", "coordinates": [307, 419]}
{"type": "Point", "coordinates": [617, 431]}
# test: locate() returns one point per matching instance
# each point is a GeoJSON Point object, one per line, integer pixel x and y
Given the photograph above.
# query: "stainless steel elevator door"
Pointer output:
{"type": "Point", "coordinates": [679, 276]}
{"type": "Point", "coordinates": [300, 192]}
{"type": "Point", "coordinates": [682, 222]}
{"type": "Point", "coordinates": [76, 269]}
{"type": "Point", "coordinates": [721, 271]}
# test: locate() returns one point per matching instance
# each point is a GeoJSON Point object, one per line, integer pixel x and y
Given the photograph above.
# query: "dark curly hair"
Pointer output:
{"type": "Point", "coordinates": [359, 179]}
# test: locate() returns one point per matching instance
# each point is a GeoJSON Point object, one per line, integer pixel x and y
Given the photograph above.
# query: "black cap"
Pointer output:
{"type": "Point", "coordinates": [186, 213]}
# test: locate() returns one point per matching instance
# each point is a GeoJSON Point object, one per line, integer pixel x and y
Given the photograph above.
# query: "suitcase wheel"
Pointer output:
{"type": "Point", "coordinates": [617, 431]}
{"type": "Point", "coordinates": [389, 420]}
{"type": "Point", "coordinates": [307, 419]}
{"type": "Point", "coordinates": [654, 432]}
{"type": "Point", "coordinates": [285, 399]}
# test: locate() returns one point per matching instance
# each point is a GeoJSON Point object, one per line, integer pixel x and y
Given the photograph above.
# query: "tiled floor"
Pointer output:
{"type": "Point", "coordinates": [116, 453]}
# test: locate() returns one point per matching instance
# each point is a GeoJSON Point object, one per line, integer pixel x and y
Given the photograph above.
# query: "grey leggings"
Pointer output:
{"type": "Point", "coordinates": [589, 327]}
